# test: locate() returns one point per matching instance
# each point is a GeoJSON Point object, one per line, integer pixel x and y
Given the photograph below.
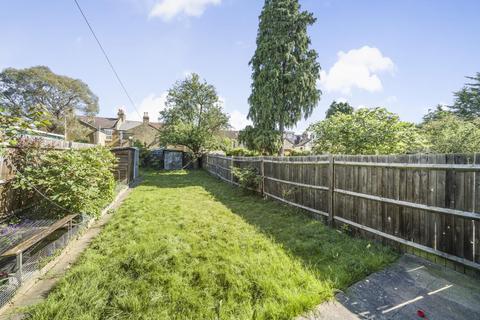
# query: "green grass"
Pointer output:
{"type": "Point", "coordinates": [187, 246]}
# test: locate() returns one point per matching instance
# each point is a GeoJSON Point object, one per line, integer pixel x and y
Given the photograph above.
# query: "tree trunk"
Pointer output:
{"type": "Point", "coordinates": [281, 128]}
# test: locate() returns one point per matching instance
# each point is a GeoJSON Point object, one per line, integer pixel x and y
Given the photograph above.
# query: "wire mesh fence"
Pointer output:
{"type": "Point", "coordinates": [14, 233]}
{"type": "Point", "coordinates": [34, 259]}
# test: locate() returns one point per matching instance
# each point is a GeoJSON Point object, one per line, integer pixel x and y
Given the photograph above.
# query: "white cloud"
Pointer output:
{"type": "Point", "coordinates": [239, 120]}
{"type": "Point", "coordinates": [168, 9]}
{"type": "Point", "coordinates": [152, 104]}
{"type": "Point", "coordinates": [357, 68]}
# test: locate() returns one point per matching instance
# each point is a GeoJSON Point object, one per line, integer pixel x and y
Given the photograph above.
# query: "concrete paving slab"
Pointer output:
{"type": "Point", "coordinates": [410, 285]}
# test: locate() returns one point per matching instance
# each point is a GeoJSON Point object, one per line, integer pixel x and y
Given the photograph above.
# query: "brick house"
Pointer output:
{"type": "Point", "coordinates": [121, 132]}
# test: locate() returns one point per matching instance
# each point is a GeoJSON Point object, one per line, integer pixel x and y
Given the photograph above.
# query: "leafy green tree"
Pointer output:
{"type": "Point", "coordinates": [225, 144]}
{"type": "Point", "coordinates": [285, 70]}
{"type": "Point", "coordinates": [23, 91]}
{"type": "Point", "coordinates": [11, 127]}
{"type": "Point", "coordinates": [438, 112]}
{"type": "Point", "coordinates": [336, 107]}
{"type": "Point", "coordinates": [264, 141]}
{"type": "Point", "coordinates": [452, 134]}
{"type": "Point", "coordinates": [467, 100]}
{"type": "Point", "coordinates": [366, 131]}
{"type": "Point", "coordinates": [193, 116]}
{"type": "Point", "coordinates": [76, 131]}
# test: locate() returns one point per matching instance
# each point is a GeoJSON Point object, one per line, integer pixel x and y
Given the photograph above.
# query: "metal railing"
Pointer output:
{"type": "Point", "coordinates": [22, 267]}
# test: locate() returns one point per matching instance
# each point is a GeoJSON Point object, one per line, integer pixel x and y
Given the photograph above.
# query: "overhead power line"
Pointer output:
{"type": "Point", "coordinates": [107, 57]}
{"type": "Point", "coordinates": [39, 192]}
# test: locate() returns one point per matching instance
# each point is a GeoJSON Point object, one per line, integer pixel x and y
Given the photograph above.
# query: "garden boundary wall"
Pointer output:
{"type": "Point", "coordinates": [426, 204]}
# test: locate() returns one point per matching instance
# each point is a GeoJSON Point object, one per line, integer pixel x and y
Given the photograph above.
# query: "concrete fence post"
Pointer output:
{"type": "Point", "coordinates": [19, 267]}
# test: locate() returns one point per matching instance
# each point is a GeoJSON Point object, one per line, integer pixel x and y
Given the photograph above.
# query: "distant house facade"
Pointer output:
{"type": "Point", "coordinates": [233, 136]}
{"type": "Point", "coordinates": [295, 142]}
{"type": "Point", "coordinates": [121, 132]}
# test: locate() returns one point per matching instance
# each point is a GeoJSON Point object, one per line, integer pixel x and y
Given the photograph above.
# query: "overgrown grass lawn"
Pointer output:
{"type": "Point", "coordinates": [187, 246]}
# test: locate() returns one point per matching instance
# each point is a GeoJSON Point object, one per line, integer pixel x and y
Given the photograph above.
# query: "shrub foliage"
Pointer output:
{"type": "Point", "coordinates": [242, 152]}
{"type": "Point", "coordinates": [248, 178]}
{"type": "Point", "coordinates": [79, 180]}
{"type": "Point", "coordinates": [366, 131]}
{"type": "Point", "coordinates": [451, 134]}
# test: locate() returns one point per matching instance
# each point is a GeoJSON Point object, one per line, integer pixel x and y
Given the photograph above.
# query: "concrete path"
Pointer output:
{"type": "Point", "coordinates": [401, 291]}
{"type": "Point", "coordinates": [35, 290]}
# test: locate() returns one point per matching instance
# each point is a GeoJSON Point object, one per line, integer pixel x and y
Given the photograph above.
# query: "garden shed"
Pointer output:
{"type": "Point", "coordinates": [169, 159]}
{"type": "Point", "coordinates": [127, 166]}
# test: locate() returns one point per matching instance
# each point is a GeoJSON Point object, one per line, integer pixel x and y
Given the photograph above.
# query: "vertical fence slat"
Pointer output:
{"type": "Point", "coordinates": [476, 208]}
{"type": "Point", "coordinates": [331, 181]}
{"type": "Point", "coordinates": [468, 206]}
{"type": "Point", "coordinates": [459, 227]}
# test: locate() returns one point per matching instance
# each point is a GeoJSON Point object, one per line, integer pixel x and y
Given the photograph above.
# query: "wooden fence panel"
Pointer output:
{"type": "Point", "coordinates": [446, 188]}
{"type": "Point", "coordinates": [126, 169]}
{"type": "Point", "coordinates": [421, 202]}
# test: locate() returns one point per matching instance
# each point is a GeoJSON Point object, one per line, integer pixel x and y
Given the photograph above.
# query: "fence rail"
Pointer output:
{"type": "Point", "coordinates": [425, 202]}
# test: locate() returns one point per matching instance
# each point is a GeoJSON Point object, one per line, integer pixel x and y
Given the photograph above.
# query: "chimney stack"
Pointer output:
{"type": "Point", "coordinates": [146, 118]}
{"type": "Point", "coordinates": [121, 115]}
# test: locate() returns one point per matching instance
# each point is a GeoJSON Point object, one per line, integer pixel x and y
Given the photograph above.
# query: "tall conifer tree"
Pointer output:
{"type": "Point", "coordinates": [467, 100]}
{"type": "Point", "coordinates": [285, 69]}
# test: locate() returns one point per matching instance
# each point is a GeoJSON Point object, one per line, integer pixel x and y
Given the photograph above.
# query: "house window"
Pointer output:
{"type": "Point", "coordinates": [109, 134]}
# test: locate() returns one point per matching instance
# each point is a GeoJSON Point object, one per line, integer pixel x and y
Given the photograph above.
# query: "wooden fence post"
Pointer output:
{"type": "Point", "coordinates": [262, 173]}
{"type": "Point", "coordinates": [231, 169]}
{"type": "Point", "coordinates": [331, 193]}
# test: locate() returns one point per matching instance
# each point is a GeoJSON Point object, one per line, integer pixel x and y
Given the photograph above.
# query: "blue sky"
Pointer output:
{"type": "Point", "coordinates": [406, 55]}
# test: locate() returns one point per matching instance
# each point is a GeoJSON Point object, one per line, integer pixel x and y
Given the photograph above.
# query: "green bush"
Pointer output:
{"type": "Point", "coordinates": [297, 153]}
{"type": "Point", "coordinates": [248, 178]}
{"type": "Point", "coordinates": [242, 152]}
{"type": "Point", "coordinates": [145, 155]}
{"type": "Point", "coordinates": [79, 180]}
